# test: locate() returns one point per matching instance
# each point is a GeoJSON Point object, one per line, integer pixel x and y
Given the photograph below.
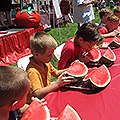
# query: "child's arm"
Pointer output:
{"type": "Point", "coordinates": [84, 59]}
{"type": "Point", "coordinates": [111, 34]}
{"type": "Point", "coordinates": [88, 2]}
{"type": "Point", "coordinates": [62, 80]}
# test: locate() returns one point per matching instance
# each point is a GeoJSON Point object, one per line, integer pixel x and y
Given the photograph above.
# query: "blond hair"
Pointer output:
{"type": "Point", "coordinates": [40, 41]}
{"type": "Point", "coordinates": [116, 9]}
{"type": "Point", "coordinates": [104, 11]}
{"type": "Point", "coordinates": [14, 83]}
{"type": "Point", "coordinates": [112, 18]}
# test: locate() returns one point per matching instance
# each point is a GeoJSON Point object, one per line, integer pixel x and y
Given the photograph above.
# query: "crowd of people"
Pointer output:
{"type": "Point", "coordinates": [16, 85]}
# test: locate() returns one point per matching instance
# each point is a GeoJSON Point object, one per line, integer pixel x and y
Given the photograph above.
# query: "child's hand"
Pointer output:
{"type": "Point", "coordinates": [42, 101]}
{"type": "Point", "coordinates": [115, 33]}
{"type": "Point", "coordinates": [93, 1]}
{"type": "Point", "coordinates": [62, 79]}
{"type": "Point", "coordinates": [84, 59]}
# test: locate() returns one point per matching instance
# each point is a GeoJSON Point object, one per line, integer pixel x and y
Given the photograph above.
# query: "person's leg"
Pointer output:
{"type": "Point", "coordinates": [2, 18]}
{"type": "Point", "coordinates": [4, 27]}
{"type": "Point", "coordinates": [9, 19]}
{"type": "Point", "coordinates": [78, 25]}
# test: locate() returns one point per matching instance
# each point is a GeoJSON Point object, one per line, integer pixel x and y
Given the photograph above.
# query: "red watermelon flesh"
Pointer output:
{"type": "Point", "coordinates": [109, 54]}
{"type": "Point", "coordinates": [100, 77]}
{"type": "Point", "coordinates": [94, 54]}
{"type": "Point", "coordinates": [77, 69]}
{"type": "Point", "coordinates": [36, 111]}
{"type": "Point", "coordinates": [69, 114]}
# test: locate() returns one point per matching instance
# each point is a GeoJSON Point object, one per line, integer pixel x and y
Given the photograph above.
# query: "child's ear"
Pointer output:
{"type": "Point", "coordinates": [80, 39]}
{"type": "Point", "coordinates": [36, 54]}
{"type": "Point", "coordinates": [14, 105]}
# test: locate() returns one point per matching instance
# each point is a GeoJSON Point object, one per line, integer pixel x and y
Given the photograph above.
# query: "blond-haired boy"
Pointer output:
{"type": "Point", "coordinates": [40, 69]}
{"type": "Point", "coordinates": [109, 30]}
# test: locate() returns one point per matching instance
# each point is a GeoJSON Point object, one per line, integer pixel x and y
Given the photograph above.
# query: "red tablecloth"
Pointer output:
{"type": "Point", "coordinates": [15, 46]}
{"type": "Point", "coordinates": [103, 105]}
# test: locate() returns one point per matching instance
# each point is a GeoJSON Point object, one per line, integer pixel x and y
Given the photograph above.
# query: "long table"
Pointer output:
{"type": "Point", "coordinates": [102, 105]}
{"type": "Point", "coordinates": [15, 45]}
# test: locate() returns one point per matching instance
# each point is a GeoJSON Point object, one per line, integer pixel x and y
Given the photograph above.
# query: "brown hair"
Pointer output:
{"type": "Point", "coordinates": [116, 9]}
{"type": "Point", "coordinates": [89, 32]}
{"type": "Point", "coordinates": [104, 11]}
{"type": "Point", "coordinates": [112, 18]}
{"type": "Point", "coordinates": [14, 83]}
{"type": "Point", "coordinates": [40, 41]}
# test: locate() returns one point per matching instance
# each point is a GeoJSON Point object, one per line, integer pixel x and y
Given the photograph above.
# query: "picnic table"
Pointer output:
{"type": "Point", "coordinates": [101, 105]}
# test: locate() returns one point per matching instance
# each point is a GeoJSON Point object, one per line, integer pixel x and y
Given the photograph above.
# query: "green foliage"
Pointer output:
{"type": "Point", "coordinates": [66, 32]}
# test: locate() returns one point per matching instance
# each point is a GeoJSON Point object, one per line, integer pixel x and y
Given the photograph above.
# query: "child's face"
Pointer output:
{"type": "Point", "coordinates": [47, 57]}
{"type": "Point", "coordinates": [104, 18]}
{"type": "Point", "coordinates": [87, 46]}
{"type": "Point", "coordinates": [113, 25]}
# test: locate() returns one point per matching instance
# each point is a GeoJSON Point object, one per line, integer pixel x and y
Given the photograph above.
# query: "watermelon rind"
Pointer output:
{"type": "Point", "coordinates": [81, 75]}
{"type": "Point", "coordinates": [48, 112]}
{"type": "Point", "coordinates": [62, 117]}
{"type": "Point", "coordinates": [105, 59]}
{"type": "Point", "coordinates": [97, 59]}
{"type": "Point", "coordinates": [106, 83]}
{"type": "Point", "coordinates": [114, 43]}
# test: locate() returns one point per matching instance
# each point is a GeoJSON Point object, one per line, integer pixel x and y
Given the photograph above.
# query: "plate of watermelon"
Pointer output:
{"type": "Point", "coordinates": [96, 59]}
{"type": "Point", "coordinates": [93, 82]}
{"type": "Point", "coordinates": [113, 44]}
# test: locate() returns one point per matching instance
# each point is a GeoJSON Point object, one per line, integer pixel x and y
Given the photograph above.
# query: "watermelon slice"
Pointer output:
{"type": "Point", "coordinates": [108, 57]}
{"type": "Point", "coordinates": [36, 111]}
{"type": "Point", "coordinates": [94, 54]}
{"type": "Point", "coordinates": [100, 77]}
{"type": "Point", "coordinates": [77, 69]}
{"type": "Point", "coordinates": [115, 42]}
{"type": "Point", "coordinates": [69, 114]}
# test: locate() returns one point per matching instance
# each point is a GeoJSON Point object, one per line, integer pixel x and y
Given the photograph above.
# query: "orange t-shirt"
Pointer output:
{"type": "Point", "coordinates": [39, 77]}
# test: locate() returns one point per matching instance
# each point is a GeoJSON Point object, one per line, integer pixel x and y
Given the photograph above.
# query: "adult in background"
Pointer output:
{"type": "Point", "coordinates": [5, 7]}
{"type": "Point", "coordinates": [102, 4]}
{"type": "Point", "coordinates": [83, 11]}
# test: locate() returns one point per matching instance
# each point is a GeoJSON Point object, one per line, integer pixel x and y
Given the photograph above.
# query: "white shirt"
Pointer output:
{"type": "Point", "coordinates": [82, 14]}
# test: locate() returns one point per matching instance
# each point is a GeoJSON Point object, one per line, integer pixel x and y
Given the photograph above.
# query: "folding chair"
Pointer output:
{"type": "Point", "coordinates": [23, 62]}
{"type": "Point", "coordinates": [58, 50]}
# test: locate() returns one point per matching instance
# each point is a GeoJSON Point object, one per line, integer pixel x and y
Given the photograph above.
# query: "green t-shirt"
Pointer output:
{"type": "Point", "coordinates": [111, 3]}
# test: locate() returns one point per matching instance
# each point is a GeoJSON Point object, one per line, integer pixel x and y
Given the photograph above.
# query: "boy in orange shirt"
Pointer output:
{"type": "Point", "coordinates": [40, 69]}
